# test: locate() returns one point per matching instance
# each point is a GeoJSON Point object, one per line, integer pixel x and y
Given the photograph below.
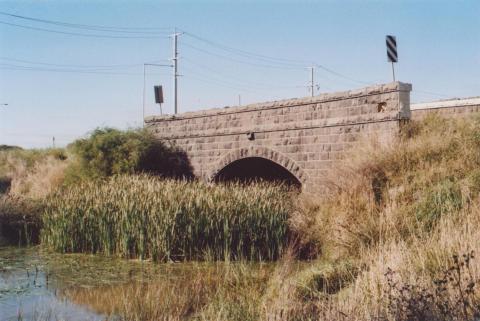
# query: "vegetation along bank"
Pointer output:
{"type": "Point", "coordinates": [396, 237]}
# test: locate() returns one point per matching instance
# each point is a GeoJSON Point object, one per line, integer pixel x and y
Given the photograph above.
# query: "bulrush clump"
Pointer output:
{"type": "Point", "coordinates": [152, 218]}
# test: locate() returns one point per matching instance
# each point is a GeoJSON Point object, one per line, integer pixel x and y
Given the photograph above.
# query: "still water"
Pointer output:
{"type": "Point", "coordinates": [30, 285]}
{"type": "Point", "coordinates": [33, 282]}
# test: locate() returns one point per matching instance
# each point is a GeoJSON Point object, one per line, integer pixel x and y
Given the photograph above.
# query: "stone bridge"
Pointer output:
{"type": "Point", "coordinates": [297, 140]}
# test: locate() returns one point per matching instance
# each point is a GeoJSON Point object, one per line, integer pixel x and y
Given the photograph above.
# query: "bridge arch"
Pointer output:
{"type": "Point", "coordinates": [259, 153]}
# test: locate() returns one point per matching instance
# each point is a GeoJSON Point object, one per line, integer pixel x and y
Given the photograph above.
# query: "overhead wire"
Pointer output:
{"type": "Point", "coordinates": [274, 62]}
{"type": "Point", "coordinates": [119, 66]}
{"type": "Point", "coordinates": [254, 59]}
{"type": "Point", "coordinates": [79, 34]}
{"type": "Point", "coordinates": [249, 82]}
{"type": "Point", "coordinates": [237, 60]}
{"type": "Point", "coordinates": [88, 71]}
{"type": "Point", "coordinates": [241, 52]}
{"type": "Point", "coordinates": [89, 27]}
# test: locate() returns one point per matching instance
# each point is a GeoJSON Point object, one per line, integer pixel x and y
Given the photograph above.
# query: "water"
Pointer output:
{"type": "Point", "coordinates": [29, 288]}
{"type": "Point", "coordinates": [33, 282]}
{"type": "Point", "coordinates": [43, 286]}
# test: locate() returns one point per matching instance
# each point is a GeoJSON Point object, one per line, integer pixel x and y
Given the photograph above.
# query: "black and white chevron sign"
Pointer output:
{"type": "Point", "coordinates": [392, 49]}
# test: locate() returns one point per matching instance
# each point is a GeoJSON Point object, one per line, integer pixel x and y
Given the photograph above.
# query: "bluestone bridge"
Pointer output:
{"type": "Point", "coordinates": [297, 140]}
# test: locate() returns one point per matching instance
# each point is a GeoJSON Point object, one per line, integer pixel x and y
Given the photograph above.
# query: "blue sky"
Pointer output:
{"type": "Point", "coordinates": [438, 44]}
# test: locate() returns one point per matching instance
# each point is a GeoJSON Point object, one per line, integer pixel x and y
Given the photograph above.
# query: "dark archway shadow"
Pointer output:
{"type": "Point", "coordinates": [251, 169]}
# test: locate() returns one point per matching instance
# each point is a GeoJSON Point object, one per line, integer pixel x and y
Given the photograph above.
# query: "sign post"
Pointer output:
{"type": "Point", "coordinates": [392, 52]}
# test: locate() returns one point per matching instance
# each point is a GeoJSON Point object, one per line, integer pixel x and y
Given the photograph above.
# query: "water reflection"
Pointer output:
{"type": "Point", "coordinates": [28, 292]}
{"type": "Point", "coordinates": [39, 285]}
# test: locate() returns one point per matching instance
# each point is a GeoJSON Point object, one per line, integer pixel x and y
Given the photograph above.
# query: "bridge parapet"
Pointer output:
{"type": "Point", "coordinates": [304, 135]}
{"type": "Point", "coordinates": [458, 107]}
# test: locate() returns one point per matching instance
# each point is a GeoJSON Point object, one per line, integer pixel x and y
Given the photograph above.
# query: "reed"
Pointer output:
{"type": "Point", "coordinates": [151, 218]}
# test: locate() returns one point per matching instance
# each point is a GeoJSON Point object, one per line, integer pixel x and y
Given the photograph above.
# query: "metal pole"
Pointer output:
{"type": "Point", "coordinates": [175, 71]}
{"type": "Point", "coordinates": [239, 100]}
{"type": "Point", "coordinates": [312, 84]}
{"type": "Point", "coordinates": [143, 96]}
{"type": "Point", "coordinates": [393, 72]}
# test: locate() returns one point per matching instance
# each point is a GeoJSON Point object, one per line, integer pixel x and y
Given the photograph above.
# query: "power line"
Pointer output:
{"type": "Point", "coordinates": [240, 52]}
{"type": "Point", "coordinates": [79, 34]}
{"type": "Point", "coordinates": [240, 61]}
{"type": "Point", "coordinates": [341, 75]}
{"type": "Point", "coordinates": [87, 27]}
{"type": "Point", "coordinates": [258, 84]}
{"type": "Point", "coordinates": [40, 69]}
{"type": "Point", "coordinates": [276, 65]}
{"type": "Point", "coordinates": [119, 66]}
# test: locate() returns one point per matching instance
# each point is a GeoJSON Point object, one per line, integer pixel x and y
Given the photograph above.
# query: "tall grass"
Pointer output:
{"type": "Point", "coordinates": [31, 173]}
{"type": "Point", "coordinates": [410, 206]}
{"type": "Point", "coordinates": [146, 217]}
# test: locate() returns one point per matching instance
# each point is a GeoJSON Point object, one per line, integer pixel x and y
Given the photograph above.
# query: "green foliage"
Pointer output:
{"type": "Point", "coordinates": [147, 217]}
{"type": "Point", "coordinates": [109, 151]}
{"type": "Point", "coordinates": [9, 147]}
{"type": "Point", "coordinates": [443, 198]}
{"type": "Point", "coordinates": [325, 279]}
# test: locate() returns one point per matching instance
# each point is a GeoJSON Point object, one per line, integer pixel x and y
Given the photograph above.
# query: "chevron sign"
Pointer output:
{"type": "Point", "coordinates": [392, 49]}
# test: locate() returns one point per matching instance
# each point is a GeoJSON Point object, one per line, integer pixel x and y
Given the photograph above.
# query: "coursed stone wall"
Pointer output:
{"type": "Point", "coordinates": [306, 135]}
{"type": "Point", "coordinates": [448, 108]}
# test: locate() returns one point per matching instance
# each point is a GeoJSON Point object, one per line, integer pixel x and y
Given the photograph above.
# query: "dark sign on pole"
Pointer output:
{"type": "Point", "coordinates": [392, 49]}
{"type": "Point", "coordinates": [158, 94]}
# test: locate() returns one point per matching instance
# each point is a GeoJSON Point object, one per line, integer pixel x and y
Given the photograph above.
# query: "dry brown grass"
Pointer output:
{"type": "Point", "coordinates": [33, 173]}
{"type": "Point", "coordinates": [408, 205]}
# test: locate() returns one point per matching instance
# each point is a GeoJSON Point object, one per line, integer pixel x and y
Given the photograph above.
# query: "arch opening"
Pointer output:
{"type": "Point", "coordinates": [251, 169]}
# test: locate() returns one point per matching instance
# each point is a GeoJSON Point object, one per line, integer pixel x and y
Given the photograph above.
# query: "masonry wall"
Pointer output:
{"type": "Point", "coordinates": [448, 108]}
{"type": "Point", "coordinates": [306, 136]}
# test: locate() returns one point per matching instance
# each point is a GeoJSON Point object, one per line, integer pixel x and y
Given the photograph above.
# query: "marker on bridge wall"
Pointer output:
{"type": "Point", "coordinates": [392, 52]}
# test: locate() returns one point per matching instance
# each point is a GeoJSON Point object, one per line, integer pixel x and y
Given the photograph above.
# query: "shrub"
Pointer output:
{"type": "Point", "coordinates": [109, 151]}
{"type": "Point", "coordinates": [450, 297]}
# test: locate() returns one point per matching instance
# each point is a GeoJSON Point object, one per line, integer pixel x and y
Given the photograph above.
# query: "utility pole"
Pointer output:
{"type": "Point", "coordinates": [175, 70]}
{"type": "Point", "coordinates": [143, 96]}
{"type": "Point", "coordinates": [312, 81]}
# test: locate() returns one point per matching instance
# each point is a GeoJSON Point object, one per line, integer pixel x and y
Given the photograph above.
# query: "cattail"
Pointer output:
{"type": "Point", "coordinates": [148, 217]}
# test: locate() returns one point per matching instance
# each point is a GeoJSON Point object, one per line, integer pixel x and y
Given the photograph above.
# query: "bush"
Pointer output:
{"type": "Point", "coordinates": [451, 296]}
{"type": "Point", "coordinates": [109, 151]}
